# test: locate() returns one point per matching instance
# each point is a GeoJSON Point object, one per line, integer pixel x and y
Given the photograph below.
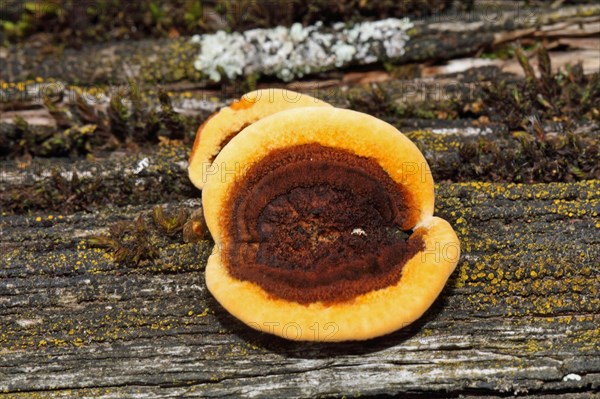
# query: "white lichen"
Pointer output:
{"type": "Point", "coordinates": [293, 52]}
{"type": "Point", "coordinates": [359, 232]}
{"type": "Point", "coordinates": [572, 377]}
{"type": "Point", "coordinates": [463, 131]}
{"type": "Point", "coordinates": [141, 165]}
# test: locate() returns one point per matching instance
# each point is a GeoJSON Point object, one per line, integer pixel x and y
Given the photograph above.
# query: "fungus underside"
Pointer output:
{"type": "Point", "coordinates": [312, 223]}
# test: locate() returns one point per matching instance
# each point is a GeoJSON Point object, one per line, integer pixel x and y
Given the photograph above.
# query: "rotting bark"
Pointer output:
{"type": "Point", "coordinates": [462, 102]}
{"type": "Point", "coordinates": [160, 173]}
{"type": "Point", "coordinates": [152, 176]}
{"type": "Point", "coordinates": [520, 313]}
{"type": "Point", "coordinates": [163, 61]}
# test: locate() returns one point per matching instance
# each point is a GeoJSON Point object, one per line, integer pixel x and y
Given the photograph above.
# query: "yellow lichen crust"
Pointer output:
{"type": "Point", "coordinates": [335, 133]}
{"type": "Point", "coordinates": [223, 125]}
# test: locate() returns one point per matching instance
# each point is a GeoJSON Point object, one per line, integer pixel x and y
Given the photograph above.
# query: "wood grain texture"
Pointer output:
{"type": "Point", "coordinates": [520, 313]}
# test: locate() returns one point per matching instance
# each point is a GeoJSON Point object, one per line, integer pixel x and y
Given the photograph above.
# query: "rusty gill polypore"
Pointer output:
{"type": "Point", "coordinates": [327, 231]}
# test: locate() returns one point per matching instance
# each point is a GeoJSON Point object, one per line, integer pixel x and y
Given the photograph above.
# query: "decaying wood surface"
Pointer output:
{"type": "Point", "coordinates": [520, 313]}
{"type": "Point", "coordinates": [129, 67]}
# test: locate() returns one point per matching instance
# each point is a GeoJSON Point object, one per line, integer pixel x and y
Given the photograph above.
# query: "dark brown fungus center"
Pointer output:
{"type": "Point", "coordinates": [312, 223]}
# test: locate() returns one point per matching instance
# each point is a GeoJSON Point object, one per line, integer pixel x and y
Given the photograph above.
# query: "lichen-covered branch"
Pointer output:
{"type": "Point", "coordinates": [163, 61]}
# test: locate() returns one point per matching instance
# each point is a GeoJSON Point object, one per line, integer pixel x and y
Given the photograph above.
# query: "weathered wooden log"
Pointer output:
{"type": "Point", "coordinates": [160, 173]}
{"type": "Point", "coordinates": [43, 112]}
{"type": "Point", "coordinates": [53, 184]}
{"type": "Point", "coordinates": [520, 313]}
{"type": "Point", "coordinates": [440, 37]}
{"type": "Point", "coordinates": [82, 317]}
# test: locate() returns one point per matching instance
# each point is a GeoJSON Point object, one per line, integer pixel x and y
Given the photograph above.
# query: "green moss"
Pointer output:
{"type": "Point", "coordinates": [75, 24]}
{"type": "Point", "coordinates": [569, 96]}
{"type": "Point", "coordinates": [118, 184]}
{"type": "Point", "coordinates": [518, 157]}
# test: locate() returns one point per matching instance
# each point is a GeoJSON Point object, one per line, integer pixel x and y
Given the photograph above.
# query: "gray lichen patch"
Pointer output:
{"type": "Point", "coordinates": [293, 52]}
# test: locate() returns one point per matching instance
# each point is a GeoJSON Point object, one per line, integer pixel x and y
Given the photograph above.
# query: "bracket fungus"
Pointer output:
{"type": "Point", "coordinates": [225, 124]}
{"type": "Point", "coordinates": [323, 227]}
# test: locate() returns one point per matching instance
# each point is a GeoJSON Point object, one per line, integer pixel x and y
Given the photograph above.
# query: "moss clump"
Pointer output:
{"type": "Point", "coordinates": [537, 103]}
{"type": "Point", "coordinates": [169, 223]}
{"type": "Point", "coordinates": [88, 185]}
{"type": "Point", "coordinates": [138, 242]}
{"type": "Point", "coordinates": [76, 23]}
{"type": "Point", "coordinates": [388, 102]}
{"type": "Point", "coordinates": [130, 120]}
{"type": "Point", "coordinates": [567, 96]}
{"type": "Point", "coordinates": [512, 157]}
{"type": "Point", "coordinates": [130, 243]}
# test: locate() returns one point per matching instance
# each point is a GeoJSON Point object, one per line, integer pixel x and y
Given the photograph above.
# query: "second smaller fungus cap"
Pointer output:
{"type": "Point", "coordinates": [225, 124]}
